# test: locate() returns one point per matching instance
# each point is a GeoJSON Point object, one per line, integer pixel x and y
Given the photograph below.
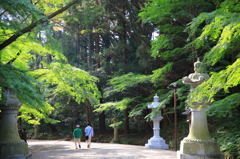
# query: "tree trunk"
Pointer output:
{"type": "Point", "coordinates": [97, 44]}
{"type": "Point", "coordinates": [77, 47]}
{"type": "Point", "coordinates": [53, 128]}
{"type": "Point", "coordinates": [102, 124]}
{"type": "Point", "coordinates": [165, 119]}
{"type": "Point", "coordinates": [126, 122]}
{"type": "Point", "coordinates": [36, 130]}
{"type": "Point", "coordinates": [89, 114]}
{"type": "Point", "coordinates": [90, 48]}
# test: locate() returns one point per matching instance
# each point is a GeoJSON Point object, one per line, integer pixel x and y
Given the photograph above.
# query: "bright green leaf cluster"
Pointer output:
{"type": "Point", "coordinates": [121, 105]}
{"type": "Point", "coordinates": [126, 81]}
{"type": "Point", "coordinates": [224, 80]}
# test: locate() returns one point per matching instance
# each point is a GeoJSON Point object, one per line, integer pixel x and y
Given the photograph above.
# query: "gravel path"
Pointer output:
{"type": "Point", "coordinates": [58, 149]}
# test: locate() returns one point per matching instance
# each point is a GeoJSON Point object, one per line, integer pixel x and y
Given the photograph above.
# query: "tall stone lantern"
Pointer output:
{"type": "Point", "coordinates": [11, 146]}
{"type": "Point", "coordinates": [198, 144]}
{"type": "Point", "coordinates": [156, 141]}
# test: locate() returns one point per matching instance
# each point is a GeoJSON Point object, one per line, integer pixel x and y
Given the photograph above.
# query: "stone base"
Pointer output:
{"type": "Point", "coordinates": [14, 150]}
{"type": "Point", "coordinates": [188, 156]}
{"type": "Point", "coordinates": [115, 140]}
{"type": "Point", "coordinates": [157, 143]}
{"type": "Point", "coordinates": [199, 149]}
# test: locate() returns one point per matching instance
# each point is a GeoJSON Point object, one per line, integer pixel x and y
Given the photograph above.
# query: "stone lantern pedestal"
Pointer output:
{"type": "Point", "coordinates": [198, 144]}
{"type": "Point", "coordinates": [11, 146]}
{"type": "Point", "coordinates": [156, 141]}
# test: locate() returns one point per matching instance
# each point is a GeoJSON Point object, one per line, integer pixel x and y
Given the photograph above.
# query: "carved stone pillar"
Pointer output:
{"type": "Point", "coordinates": [11, 146]}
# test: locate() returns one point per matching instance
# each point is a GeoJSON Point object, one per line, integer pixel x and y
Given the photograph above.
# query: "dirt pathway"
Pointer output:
{"type": "Point", "coordinates": [57, 149]}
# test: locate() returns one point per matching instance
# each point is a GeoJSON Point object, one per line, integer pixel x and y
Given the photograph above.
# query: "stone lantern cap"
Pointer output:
{"type": "Point", "coordinates": [155, 102]}
{"type": "Point", "coordinates": [187, 111]}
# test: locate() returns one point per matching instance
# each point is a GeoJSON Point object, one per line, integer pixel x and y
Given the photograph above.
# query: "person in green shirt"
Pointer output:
{"type": "Point", "coordinates": [77, 134]}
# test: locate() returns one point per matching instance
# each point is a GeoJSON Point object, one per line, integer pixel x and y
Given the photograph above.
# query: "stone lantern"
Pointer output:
{"type": "Point", "coordinates": [156, 141]}
{"type": "Point", "coordinates": [11, 146]}
{"type": "Point", "coordinates": [198, 144]}
{"type": "Point", "coordinates": [115, 128]}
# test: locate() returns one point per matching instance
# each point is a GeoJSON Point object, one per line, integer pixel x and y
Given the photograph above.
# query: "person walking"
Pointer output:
{"type": "Point", "coordinates": [89, 134]}
{"type": "Point", "coordinates": [77, 134]}
{"type": "Point", "coordinates": [24, 135]}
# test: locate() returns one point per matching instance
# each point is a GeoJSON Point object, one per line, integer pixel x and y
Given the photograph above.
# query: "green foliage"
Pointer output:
{"type": "Point", "coordinates": [27, 88]}
{"type": "Point", "coordinates": [225, 107]}
{"type": "Point", "coordinates": [224, 36]}
{"type": "Point", "coordinates": [171, 17]}
{"type": "Point", "coordinates": [29, 92]}
{"type": "Point", "coordinates": [38, 49]}
{"type": "Point", "coordinates": [121, 105]}
{"type": "Point", "coordinates": [220, 40]}
{"type": "Point", "coordinates": [138, 109]}
{"type": "Point", "coordinates": [76, 83]}
{"type": "Point", "coordinates": [214, 35]}
{"type": "Point", "coordinates": [227, 136]}
{"type": "Point", "coordinates": [124, 82]}
{"type": "Point", "coordinates": [64, 80]}
{"type": "Point", "coordinates": [34, 116]}
{"type": "Point", "coordinates": [223, 80]}
{"type": "Point", "coordinates": [14, 13]}
{"type": "Point", "coordinates": [116, 124]}
{"type": "Point", "coordinates": [25, 48]}
{"type": "Point", "coordinates": [159, 74]}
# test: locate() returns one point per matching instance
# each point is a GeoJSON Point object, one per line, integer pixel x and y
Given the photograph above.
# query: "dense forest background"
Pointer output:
{"type": "Point", "coordinates": [72, 62]}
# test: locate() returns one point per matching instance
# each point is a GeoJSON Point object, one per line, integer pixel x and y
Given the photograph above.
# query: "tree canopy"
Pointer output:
{"type": "Point", "coordinates": [61, 54]}
{"type": "Point", "coordinates": [32, 61]}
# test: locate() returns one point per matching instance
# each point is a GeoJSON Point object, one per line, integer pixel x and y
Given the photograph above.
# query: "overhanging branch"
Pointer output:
{"type": "Point", "coordinates": [34, 24]}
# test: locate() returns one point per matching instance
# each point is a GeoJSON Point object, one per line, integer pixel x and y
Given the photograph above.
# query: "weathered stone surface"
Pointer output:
{"type": "Point", "coordinates": [200, 148]}
{"type": "Point", "coordinates": [11, 146]}
{"type": "Point", "coordinates": [198, 144]}
{"type": "Point", "coordinates": [189, 156]}
{"type": "Point", "coordinates": [14, 150]}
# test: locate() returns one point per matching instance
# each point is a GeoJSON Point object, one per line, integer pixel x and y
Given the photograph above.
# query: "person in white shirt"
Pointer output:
{"type": "Point", "coordinates": [89, 134]}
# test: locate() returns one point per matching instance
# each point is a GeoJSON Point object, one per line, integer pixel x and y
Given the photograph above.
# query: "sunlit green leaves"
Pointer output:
{"type": "Point", "coordinates": [27, 88]}
{"type": "Point", "coordinates": [121, 105]}
{"type": "Point", "coordinates": [14, 13]}
{"type": "Point", "coordinates": [230, 6]}
{"type": "Point", "coordinates": [225, 107]}
{"type": "Point", "coordinates": [126, 81]}
{"type": "Point", "coordinates": [222, 29]}
{"type": "Point", "coordinates": [171, 18]}
{"type": "Point", "coordinates": [159, 74]}
{"type": "Point", "coordinates": [34, 116]}
{"type": "Point", "coordinates": [116, 124]}
{"type": "Point", "coordinates": [224, 80]}
{"type": "Point", "coordinates": [76, 83]}
{"type": "Point", "coordinates": [17, 57]}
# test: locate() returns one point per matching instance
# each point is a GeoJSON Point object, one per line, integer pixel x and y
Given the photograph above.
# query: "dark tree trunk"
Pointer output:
{"type": "Point", "coordinates": [90, 48]}
{"type": "Point", "coordinates": [102, 124]}
{"type": "Point", "coordinates": [89, 114]}
{"type": "Point", "coordinates": [53, 128]}
{"type": "Point", "coordinates": [98, 65]}
{"type": "Point", "coordinates": [126, 122]}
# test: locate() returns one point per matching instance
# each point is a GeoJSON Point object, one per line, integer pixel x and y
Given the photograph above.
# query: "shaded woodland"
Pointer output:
{"type": "Point", "coordinates": [79, 61]}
